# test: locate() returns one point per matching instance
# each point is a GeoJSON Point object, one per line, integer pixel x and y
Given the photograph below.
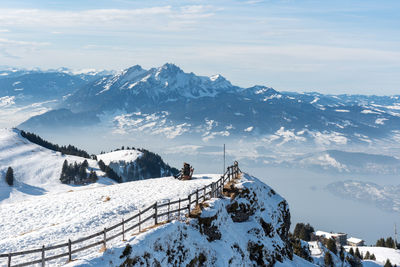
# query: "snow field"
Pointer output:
{"type": "Point", "coordinates": [54, 218]}
{"type": "Point", "coordinates": [120, 155]}
{"type": "Point", "coordinates": [381, 254]}
{"type": "Point", "coordinates": [36, 169]}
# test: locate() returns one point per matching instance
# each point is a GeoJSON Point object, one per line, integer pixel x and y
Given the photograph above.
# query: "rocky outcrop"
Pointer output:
{"type": "Point", "coordinates": [247, 226]}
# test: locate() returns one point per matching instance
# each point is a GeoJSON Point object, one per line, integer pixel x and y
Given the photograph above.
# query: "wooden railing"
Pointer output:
{"type": "Point", "coordinates": [150, 216]}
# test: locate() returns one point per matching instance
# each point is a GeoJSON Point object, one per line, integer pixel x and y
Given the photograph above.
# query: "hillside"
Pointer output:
{"type": "Point", "coordinates": [53, 218]}
{"type": "Point", "coordinates": [137, 164]}
{"type": "Point", "coordinates": [249, 228]}
{"type": "Point", "coordinates": [36, 169]}
{"type": "Point", "coordinates": [382, 254]}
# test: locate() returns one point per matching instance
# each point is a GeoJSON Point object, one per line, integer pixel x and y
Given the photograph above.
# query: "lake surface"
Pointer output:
{"type": "Point", "coordinates": [311, 203]}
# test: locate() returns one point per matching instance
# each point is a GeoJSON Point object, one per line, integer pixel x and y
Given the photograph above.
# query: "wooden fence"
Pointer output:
{"type": "Point", "coordinates": [150, 216]}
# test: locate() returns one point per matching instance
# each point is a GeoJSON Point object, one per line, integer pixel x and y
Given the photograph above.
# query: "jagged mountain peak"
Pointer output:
{"type": "Point", "coordinates": [261, 90]}
{"type": "Point", "coordinates": [170, 68]}
{"type": "Point", "coordinates": [168, 81]}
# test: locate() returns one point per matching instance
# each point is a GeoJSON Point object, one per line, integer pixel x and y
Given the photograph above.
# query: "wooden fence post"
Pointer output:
{"type": "Point", "coordinates": [204, 193]}
{"type": "Point", "coordinates": [43, 259]}
{"type": "Point", "coordinates": [169, 203]}
{"type": "Point", "coordinates": [155, 214]}
{"type": "Point", "coordinates": [123, 229]}
{"type": "Point", "coordinates": [179, 209]}
{"type": "Point", "coordinates": [105, 238]}
{"type": "Point", "coordinates": [9, 260]}
{"type": "Point", "coordinates": [140, 221]}
{"type": "Point", "coordinates": [69, 250]}
{"type": "Point", "coordinates": [188, 207]}
{"type": "Point", "coordinates": [197, 196]}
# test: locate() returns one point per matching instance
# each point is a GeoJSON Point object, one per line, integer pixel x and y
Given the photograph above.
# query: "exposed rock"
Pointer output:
{"type": "Point", "coordinates": [207, 228]}
{"type": "Point", "coordinates": [247, 227]}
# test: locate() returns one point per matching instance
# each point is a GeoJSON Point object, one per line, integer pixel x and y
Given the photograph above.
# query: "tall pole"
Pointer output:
{"type": "Point", "coordinates": [395, 237]}
{"type": "Point", "coordinates": [223, 171]}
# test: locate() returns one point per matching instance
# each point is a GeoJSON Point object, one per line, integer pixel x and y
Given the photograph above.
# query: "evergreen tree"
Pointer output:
{"type": "Point", "coordinates": [380, 242]}
{"type": "Point", "coordinates": [367, 256]}
{"type": "Point", "coordinates": [372, 257]}
{"type": "Point", "coordinates": [92, 177]}
{"type": "Point", "coordinates": [341, 254]}
{"type": "Point", "coordinates": [82, 176]}
{"type": "Point", "coordinates": [388, 263]}
{"type": "Point", "coordinates": [10, 176]}
{"type": "Point", "coordinates": [331, 245]}
{"type": "Point", "coordinates": [303, 231]}
{"type": "Point", "coordinates": [102, 165]}
{"type": "Point", "coordinates": [357, 254]}
{"type": "Point", "coordinates": [389, 243]}
{"type": "Point", "coordinates": [69, 150]}
{"type": "Point", "coordinates": [64, 178]}
{"type": "Point", "coordinates": [328, 260]}
{"type": "Point", "coordinates": [301, 251]}
{"type": "Point", "coordinates": [85, 164]}
{"type": "Point", "coordinates": [351, 252]}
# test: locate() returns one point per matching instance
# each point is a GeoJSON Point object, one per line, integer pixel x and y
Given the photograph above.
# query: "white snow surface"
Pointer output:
{"type": "Point", "coordinates": [53, 218]}
{"type": "Point", "coordinates": [36, 169]}
{"type": "Point", "coordinates": [120, 155]}
{"type": "Point", "coordinates": [185, 240]}
{"type": "Point", "coordinates": [381, 254]}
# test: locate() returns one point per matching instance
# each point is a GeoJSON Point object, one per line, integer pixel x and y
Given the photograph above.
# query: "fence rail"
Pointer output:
{"type": "Point", "coordinates": [160, 212]}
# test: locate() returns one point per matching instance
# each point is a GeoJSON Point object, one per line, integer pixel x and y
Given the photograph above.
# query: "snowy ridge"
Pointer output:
{"type": "Point", "coordinates": [165, 80]}
{"type": "Point", "coordinates": [220, 235]}
{"type": "Point", "coordinates": [36, 169]}
{"type": "Point", "coordinates": [120, 155]}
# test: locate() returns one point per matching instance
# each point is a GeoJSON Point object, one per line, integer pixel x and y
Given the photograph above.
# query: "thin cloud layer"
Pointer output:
{"type": "Point", "coordinates": [309, 45]}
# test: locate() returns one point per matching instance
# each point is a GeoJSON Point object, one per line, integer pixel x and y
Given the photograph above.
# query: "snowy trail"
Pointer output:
{"type": "Point", "coordinates": [53, 218]}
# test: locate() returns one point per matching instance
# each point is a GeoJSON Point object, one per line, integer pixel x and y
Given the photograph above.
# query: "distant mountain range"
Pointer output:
{"type": "Point", "coordinates": [168, 101]}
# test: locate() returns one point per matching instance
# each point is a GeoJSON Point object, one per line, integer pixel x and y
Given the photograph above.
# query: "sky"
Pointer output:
{"type": "Point", "coordinates": [341, 46]}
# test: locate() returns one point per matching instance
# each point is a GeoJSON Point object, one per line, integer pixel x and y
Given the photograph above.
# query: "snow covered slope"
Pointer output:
{"type": "Point", "coordinates": [36, 169]}
{"type": "Point", "coordinates": [133, 165]}
{"type": "Point", "coordinates": [53, 218]}
{"type": "Point", "coordinates": [250, 228]}
{"type": "Point", "coordinates": [119, 155]}
{"type": "Point", "coordinates": [381, 254]}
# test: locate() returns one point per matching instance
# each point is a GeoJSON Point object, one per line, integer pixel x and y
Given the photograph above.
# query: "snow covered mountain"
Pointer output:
{"type": "Point", "coordinates": [135, 88]}
{"type": "Point", "coordinates": [170, 102]}
{"type": "Point", "coordinates": [35, 85]}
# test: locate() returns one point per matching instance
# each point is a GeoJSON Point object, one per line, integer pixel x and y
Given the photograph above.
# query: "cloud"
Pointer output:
{"type": "Point", "coordinates": [17, 47]}
{"type": "Point", "coordinates": [149, 17]}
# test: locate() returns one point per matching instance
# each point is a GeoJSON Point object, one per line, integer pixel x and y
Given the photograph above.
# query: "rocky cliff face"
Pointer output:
{"type": "Point", "coordinates": [248, 226]}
